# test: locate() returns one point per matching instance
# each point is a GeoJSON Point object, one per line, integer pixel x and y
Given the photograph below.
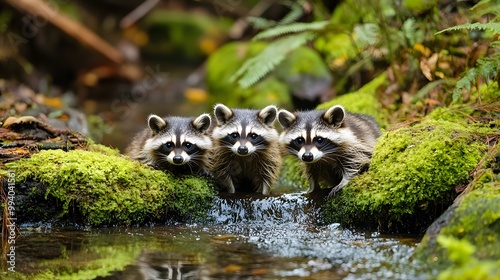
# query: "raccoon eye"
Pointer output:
{"type": "Point", "coordinates": [254, 136]}
{"type": "Point", "coordinates": [234, 135]}
{"type": "Point", "coordinates": [166, 148]}
{"type": "Point", "coordinates": [299, 141]}
{"type": "Point", "coordinates": [320, 141]}
{"type": "Point", "coordinates": [188, 145]}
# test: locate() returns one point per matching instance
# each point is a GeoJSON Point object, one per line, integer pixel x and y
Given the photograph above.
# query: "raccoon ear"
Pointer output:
{"type": "Point", "coordinates": [335, 115]}
{"type": "Point", "coordinates": [285, 118]}
{"type": "Point", "coordinates": [222, 113]}
{"type": "Point", "coordinates": [268, 114]}
{"type": "Point", "coordinates": [202, 123]}
{"type": "Point", "coordinates": [156, 124]}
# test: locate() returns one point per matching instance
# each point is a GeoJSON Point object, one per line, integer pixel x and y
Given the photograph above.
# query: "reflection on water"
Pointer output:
{"type": "Point", "coordinates": [245, 238]}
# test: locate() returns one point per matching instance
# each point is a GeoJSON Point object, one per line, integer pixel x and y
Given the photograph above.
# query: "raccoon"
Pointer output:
{"type": "Point", "coordinates": [176, 144]}
{"type": "Point", "coordinates": [246, 149]}
{"type": "Point", "coordinates": [334, 144]}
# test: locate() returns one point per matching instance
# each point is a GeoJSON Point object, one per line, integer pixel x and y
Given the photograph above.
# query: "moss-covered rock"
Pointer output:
{"type": "Point", "coordinates": [412, 177]}
{"type": "Point", "coordinates": [97, 189]}
{"type": "Point", "coordinates": [464, 243]}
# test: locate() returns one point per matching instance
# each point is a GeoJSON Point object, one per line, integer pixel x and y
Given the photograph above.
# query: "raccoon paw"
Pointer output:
{"type": "Point", "coordinates": [338, 187]}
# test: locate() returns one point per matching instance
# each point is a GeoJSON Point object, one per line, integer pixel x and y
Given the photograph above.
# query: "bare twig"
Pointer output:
{"type": "Point", "coordinates": [242, 23]}
{"type": "Point", "coordinates": [69, 26]}
{"type": "Point", "coordinates": [138, 13]}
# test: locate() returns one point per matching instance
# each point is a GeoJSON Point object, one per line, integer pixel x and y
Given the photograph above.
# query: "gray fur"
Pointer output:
{"type": "Point", "coordinates": [146, 146]}
{"type": "Point", "coordinates": [335, 145]}
{"type": "Point", "coordinates": [259, 169]}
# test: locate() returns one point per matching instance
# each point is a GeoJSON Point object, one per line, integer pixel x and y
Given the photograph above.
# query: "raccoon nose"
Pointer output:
{"type": "Point", "coordinates": [242, 150]}
{"type": "Point", "coordinates": [308, 157]}
{"type": "Point", "coordinates": [178, 159]}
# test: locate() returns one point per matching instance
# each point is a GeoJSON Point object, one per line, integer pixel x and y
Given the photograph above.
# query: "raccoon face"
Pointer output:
{"type": "Point", "coordinates": [178, 140]}
{"type": "Point", "coordinates": [243, 131]}
{"type": "Point", "coordinates": [312, 135]}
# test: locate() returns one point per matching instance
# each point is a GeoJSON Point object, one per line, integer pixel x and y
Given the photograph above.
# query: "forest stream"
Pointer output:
{"type": "Point", "coordinates": [405, 93]}
{"type": "Point", "coordinates": [242, 238]}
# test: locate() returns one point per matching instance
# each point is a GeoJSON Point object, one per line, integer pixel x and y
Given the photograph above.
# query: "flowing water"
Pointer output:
{"type": "Point", "coordinates": [243, 238]}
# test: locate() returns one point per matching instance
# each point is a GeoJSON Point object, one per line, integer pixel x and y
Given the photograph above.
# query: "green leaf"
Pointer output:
{"type": "Point", "coordinates": [492, 26]}
{"type": "Point", "coordinates": [260, 65]}
{"type": "Point", "coordinates": [261, 23]}
{"type": "Point", "coordinates": [368, 33]}
{"type": "Point", "coordinates": [290, 28]}
{"type": "Point", "coordinates": [295, 13]}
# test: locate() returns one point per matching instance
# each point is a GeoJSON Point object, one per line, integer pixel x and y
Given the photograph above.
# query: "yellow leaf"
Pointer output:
{"type": "Point", "coordinates": [422, 49]}
{"type": "Point", "coordinates": [195, 94]}
{"type": "Point", "coordinates": [232, 268]}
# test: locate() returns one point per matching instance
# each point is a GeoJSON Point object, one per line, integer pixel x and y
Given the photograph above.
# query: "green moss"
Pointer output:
{"type": "Point", "coordinates": [412, 175]}
{"type": "Point", "coordinates": [112, 190]}
{"type": "Point", "coordinates": [363, 101]}
{"type": "Point", "coordinates": [478, 220]}
{"type": "Point", "coordinates": [450, 114]}
{"type": "Point", "coordinates": [489, 92]}
{"type": "Point", "coordinates": [465, 265]}
{"type": "Point", "coordinates": [474, 223]}
{"type": "Point", "coordinates": [103, 261]}
{"type": "Point", "coordinates": [103, 149]}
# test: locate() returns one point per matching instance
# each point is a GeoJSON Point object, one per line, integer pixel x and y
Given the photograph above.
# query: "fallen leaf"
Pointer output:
{"type": "Point", "coordinates": [259, 271]}
{"type": "Point", "coordinates": [232, 268]}
{"type": "Point", "coordinates": [13, 120]}
{"type": "Point", "coordinates": [196, 94]}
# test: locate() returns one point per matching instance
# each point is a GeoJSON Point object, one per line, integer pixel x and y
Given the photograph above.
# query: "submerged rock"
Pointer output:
{"type": "Point", "coordinates": [99, 187]}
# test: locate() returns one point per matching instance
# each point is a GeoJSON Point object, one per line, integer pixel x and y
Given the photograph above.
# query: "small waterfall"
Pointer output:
{"type": "Point", "coordinates": [287, 208]}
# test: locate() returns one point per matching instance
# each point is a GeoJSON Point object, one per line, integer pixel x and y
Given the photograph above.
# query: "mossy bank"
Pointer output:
{"type": "Point", "coordinates": [412, 177]}
{"type": "Point", "coordinates": [100, 187]}
{"type": "Point", "coordinates": [464, 243]}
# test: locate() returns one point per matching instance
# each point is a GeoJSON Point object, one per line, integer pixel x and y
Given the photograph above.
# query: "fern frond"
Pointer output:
{"type": "Point", "coordinates": [495, 45]}
{"type": "Point", "coordinates": [257, 67]}
{"type": "Point", "coordinates": [295, 13]}
{"type": "Point", "coordinates": [261, 23]}
{"type": "Point", "coordinates": [464, 83]}
{"type": "Point", "coordinates": [491, 26]}
{"type": "Point", "coordinates": [410, 31]}
{"type": "Point", "coordinates": [290, 28]}
{"type": "Point", "coordinates": [480, 3]}
{"type": "Point", "coordinates": [425, 90]}
{"type": "Point", "coordinates": [485, 7]}
{"type": "Point", "coordinates": [487, 68]}
{"type": "Point", "coordinates": [367, 34]}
